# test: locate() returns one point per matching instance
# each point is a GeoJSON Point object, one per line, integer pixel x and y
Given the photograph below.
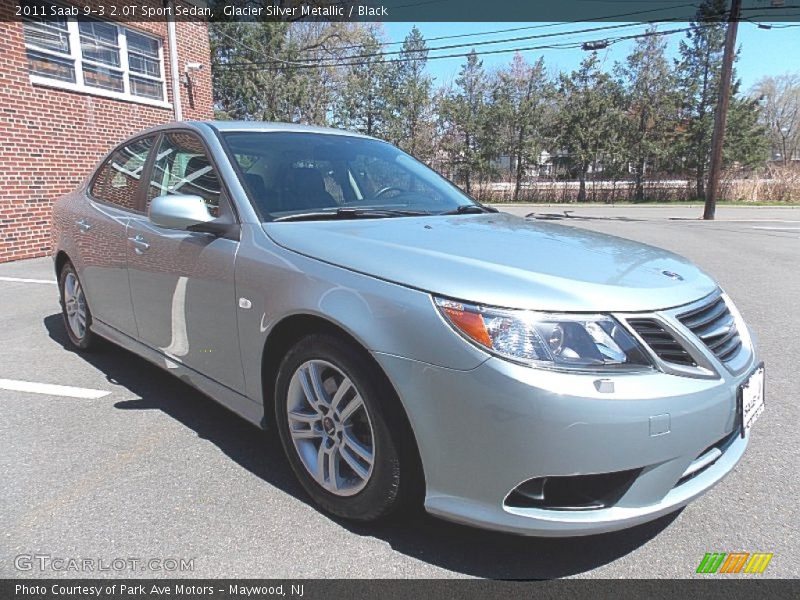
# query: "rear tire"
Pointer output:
{"type": "Point", "coordinates": [75, 310]}
{"type": "Point", "coordinates": [333, 409]}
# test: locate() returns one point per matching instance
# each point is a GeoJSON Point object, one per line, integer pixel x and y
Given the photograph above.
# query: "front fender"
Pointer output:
{"type": "Point", "coordinates": [383, 317]}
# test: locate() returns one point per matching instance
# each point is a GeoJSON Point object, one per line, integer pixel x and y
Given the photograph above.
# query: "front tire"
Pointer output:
{"type": "Point", "coordinates": [332, 409]}
{"type": "Point", "coordinates": [74, 309]}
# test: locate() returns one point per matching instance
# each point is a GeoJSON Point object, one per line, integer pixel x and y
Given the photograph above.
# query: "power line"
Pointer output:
{"type": "Point", "coordinates": [570, 45]}
{"type": "Point", "coordinates": [273, 58]}
{"type": "Point", "coordinates": [769, 25]}
{"type": "Point", "coordinates": [356, 60]}
{"type": "Point", "coordinates": [264, 67]}
{"type": "Point", "coordinates": [785, 7]}
{"type": "Point", "coordinates": [439, 48]}
{"type": "Point", "coordinates": [352, 60]}
{"type": "Point", "coordinates": [302, 63]}
{"type": "Point", "coordinates": [752, 18]}
{"type": "Point", "coordinates": [529, 27]}
{"type": "Point", "coordinates": [467, 45]}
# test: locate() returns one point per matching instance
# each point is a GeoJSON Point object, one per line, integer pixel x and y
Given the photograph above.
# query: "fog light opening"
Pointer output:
{"type": "Point", "coordinates": [575, 492]}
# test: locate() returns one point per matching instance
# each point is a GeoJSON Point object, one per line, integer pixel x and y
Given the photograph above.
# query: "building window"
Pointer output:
{"type": "Point", "coordinates": [96, 57]}
{"type": "Point", "coordinates": [49, 50]}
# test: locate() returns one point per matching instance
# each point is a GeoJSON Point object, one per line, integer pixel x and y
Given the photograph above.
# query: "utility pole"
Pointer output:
{"type": "Point", "coordinates": [721, 115]}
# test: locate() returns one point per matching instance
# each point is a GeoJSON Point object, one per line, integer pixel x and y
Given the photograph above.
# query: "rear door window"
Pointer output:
{"type": "Point", "coordinates": [117, 181]}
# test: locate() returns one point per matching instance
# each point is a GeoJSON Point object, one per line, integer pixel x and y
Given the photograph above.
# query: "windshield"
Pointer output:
{"type": "Point", "coordinates": [291, 173]}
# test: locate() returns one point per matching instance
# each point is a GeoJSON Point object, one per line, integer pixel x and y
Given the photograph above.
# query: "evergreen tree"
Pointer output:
{"type": "Point", "coordinates": [746, 137]}
{"type": "Point", "coordinates": [408, 99]}
{"type": "Point", "coordinates": [699, 68]}
{"type": "Point", "coordinates": [462, 115]}
{"type": "Point", "coordinates": [361, 105]}
{"type": "Point", "coordinates": [588, 122]}
{"type": "Point", "coordinates": [648, 118]}
{"type": "Point", "coordinates": [259, 69]}
{"type": "Point", "coordinates": [252, 92]}
{"type": "Point", "coordinates": [521, 106]}
{"type": "Point", "coordinates": [651, 106]}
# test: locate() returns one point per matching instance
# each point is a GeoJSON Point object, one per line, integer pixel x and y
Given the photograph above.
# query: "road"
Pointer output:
{"type": "Point", "coordinates": [130, 462]}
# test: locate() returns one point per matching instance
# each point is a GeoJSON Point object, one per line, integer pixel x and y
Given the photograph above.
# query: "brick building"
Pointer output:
{"type": "Point", "coordinates": [70, 91]}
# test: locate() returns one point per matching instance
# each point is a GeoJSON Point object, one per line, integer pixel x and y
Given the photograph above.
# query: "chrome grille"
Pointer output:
{"type": "Point", "coordinates": [714, 324]}
{"type": "Point", "coordinates": [662, 342]}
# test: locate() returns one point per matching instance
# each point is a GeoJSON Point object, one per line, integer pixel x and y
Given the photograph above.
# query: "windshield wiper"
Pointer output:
{"type": "Point", "coordinates": [353, 213]}
{"type": "Point", "coordinates": [470, 209]}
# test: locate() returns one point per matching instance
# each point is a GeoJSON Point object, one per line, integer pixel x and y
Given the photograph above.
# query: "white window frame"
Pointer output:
{"type": "Point", "coordinates": [79, 85]}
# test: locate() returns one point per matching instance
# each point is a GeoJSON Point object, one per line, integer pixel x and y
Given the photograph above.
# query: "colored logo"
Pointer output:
{"type": "Point", "coordinates": [735, 562]}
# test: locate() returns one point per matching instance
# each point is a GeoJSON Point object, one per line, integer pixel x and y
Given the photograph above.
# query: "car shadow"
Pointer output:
{"type": "Point", "coordinates": [568, 216]}
{"type": "Point", "coordinates": [450, 546]}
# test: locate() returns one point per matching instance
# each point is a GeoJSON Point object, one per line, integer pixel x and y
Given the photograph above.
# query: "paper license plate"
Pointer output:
{"type": "Point", "coordinates": [751, 398]}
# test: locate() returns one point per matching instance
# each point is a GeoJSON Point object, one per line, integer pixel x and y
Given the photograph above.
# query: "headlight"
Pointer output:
{"type": "Point", "coordinates": [572, 341]}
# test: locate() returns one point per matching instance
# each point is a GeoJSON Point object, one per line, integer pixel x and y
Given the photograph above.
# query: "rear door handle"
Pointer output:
{"type": "Point", "coordinates": [140, 244]}
{"type": "Point", "coordinates": [84, 225]}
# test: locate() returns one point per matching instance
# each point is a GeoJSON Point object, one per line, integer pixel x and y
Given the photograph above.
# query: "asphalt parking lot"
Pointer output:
{"type": "Point", "coordinates": [130, 462]}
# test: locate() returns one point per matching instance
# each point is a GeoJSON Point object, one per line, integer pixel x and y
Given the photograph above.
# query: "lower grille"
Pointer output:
{"type": "Point", "coordinates": [662, 342]}
{"type": "Point", "coordinates": [714, 324]}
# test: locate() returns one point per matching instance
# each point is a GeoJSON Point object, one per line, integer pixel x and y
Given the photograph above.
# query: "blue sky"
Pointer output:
{"type": "Point", "coordinates": [763, 52]}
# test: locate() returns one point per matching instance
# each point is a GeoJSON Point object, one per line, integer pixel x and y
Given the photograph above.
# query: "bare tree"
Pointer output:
{"type": "Point", "coordinates": [780, 101]}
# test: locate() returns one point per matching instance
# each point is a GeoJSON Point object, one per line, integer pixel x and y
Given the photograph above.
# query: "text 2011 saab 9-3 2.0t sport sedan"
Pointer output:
{"type": "Point", "coordinates": [408, 344]}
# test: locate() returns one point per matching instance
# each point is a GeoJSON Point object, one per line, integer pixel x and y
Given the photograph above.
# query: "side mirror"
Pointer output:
{"type": "Point", "coordinates": [179, 211]}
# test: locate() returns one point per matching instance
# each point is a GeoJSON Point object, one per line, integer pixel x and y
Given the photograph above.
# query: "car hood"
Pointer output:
{"type": "Point", "coordinates": [503, 260]}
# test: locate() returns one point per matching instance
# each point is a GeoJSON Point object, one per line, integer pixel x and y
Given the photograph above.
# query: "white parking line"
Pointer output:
{"type": "Point", "coordinates": [22, 280]}
{"type": "Point", "coordinates": [779, 228]}
{"type": "Point", "coordinates": [50, 389]}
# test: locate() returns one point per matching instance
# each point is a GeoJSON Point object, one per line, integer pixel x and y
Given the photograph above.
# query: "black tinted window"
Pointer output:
{"type": "Point", "coordinates": [182, 167]}
{"type": "Point", "coordinates": [295, 172]}
{"type": "Point", "coordinates": [117, 181]}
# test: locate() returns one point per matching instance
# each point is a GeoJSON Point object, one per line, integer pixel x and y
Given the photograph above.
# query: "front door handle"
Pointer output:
{"type": "Point", "coordinates": [140, 245]}
{"type": "Point", "coordinates": [83, 225]}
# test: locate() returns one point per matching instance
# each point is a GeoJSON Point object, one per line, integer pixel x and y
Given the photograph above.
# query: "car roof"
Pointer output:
{"type": "Point", "coordinates": [270, 126]}
{"type": "Point", "coordinates": [259, 126]}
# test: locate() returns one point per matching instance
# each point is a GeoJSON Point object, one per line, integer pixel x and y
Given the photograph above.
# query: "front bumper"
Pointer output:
{"type": "Point", "coordinates": [483, 432]}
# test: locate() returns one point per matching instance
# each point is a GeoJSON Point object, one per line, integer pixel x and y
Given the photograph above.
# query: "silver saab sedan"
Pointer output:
{"type": "Point", "coordinates": [408, 344]}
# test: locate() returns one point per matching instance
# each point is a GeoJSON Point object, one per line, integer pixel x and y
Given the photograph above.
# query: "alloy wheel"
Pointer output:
{"type": "Point", "coordinates": [330, 427]}
{"type": "Point", "coordinates": [75, 305]}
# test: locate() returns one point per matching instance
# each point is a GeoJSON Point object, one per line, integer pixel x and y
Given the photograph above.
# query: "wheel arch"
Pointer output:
{"type": "Point", "coordinates": [61, 259]}
{"type": "Point", "coordinates": [288, 331]}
